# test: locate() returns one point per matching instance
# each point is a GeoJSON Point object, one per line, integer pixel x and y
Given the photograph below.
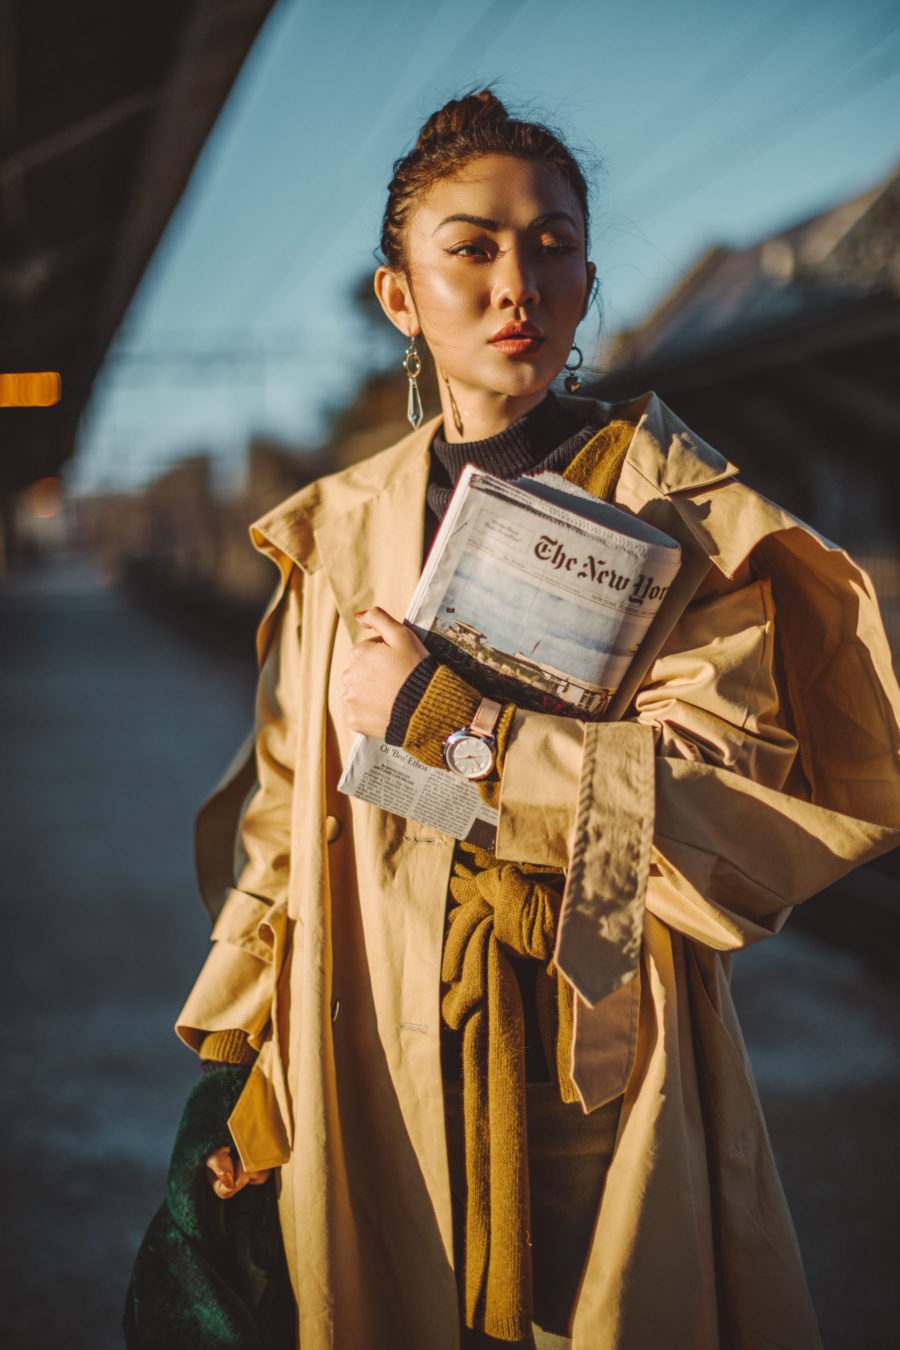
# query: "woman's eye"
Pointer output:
{"type": "Point", "coordinates": [468, 250]}
{"type": "Point", "coordinates": [474, 248]}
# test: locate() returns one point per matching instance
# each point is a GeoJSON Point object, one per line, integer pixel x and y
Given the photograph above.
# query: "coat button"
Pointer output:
{"type": "Point", "coordinates": [333, 828]}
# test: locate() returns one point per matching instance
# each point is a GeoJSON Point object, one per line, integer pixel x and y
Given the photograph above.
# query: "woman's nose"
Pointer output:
{"type": "Point", "coordinates": [516, 284]}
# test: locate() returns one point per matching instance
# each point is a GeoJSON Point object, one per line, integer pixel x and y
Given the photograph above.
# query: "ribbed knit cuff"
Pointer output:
{"type": "Point", "coordinates": [226, 1047]}
{"type": "Point", "coordinates": [408, 699]}
{"type": "Point", "coordinates": [448, 704]}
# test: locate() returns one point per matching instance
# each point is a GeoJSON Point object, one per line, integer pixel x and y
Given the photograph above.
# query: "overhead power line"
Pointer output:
{"type": "Point", "coordinates": [781, 122]}
{"type": "Point", "coordinates": [482, 33]}
{"type": "Point", "coordinates": [279, 256]}
{"type": "Point", "coordinates": [671, 118]}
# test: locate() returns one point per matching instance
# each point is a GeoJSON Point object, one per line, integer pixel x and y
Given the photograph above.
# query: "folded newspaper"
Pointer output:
{"type": "Point", "coordinates": [535, 592]}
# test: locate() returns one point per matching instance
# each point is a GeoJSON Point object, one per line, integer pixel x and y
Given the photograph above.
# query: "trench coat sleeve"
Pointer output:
{"type": "Point", "coordinates": [694, 806]}
{"type": "Point", "coordinates": [235, 986]}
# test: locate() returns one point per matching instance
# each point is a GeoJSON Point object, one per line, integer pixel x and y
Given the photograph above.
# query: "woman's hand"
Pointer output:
{"type": "Point", "coordinates": [379, 667]}
{"type": "Point", "coordinates": [223, 1178]}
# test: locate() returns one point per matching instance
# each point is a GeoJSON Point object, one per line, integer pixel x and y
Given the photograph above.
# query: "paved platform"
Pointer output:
{"type": "Point", "coordinates": [113, 727]}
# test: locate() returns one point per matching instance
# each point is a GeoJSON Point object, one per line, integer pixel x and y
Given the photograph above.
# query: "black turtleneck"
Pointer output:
{"type": "Point", "coordinates": [545, 440]}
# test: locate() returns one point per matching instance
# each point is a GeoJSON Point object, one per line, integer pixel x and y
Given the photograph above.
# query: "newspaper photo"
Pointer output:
{"type": "Point", "coordinates": [535, 592]}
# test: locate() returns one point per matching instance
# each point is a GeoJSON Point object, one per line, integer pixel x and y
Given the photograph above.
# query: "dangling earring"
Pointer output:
{"type": "Point", "coordinates": [572, 383]}
{"type": "Point", "coordinates": [412, 364]}
{"type": "Point", "coordinates": [457, 420]}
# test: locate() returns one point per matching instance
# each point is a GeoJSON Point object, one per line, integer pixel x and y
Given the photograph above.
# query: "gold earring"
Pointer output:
{"type": "Point", "coordinates": [457, 420]}
{"type": "Point", "coordinates": [412, 364]}
{"type": "Point", "coordinates": [572, 383]}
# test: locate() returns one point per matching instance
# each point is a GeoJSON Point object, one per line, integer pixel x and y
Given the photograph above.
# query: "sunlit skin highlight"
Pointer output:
{"type": "Point", "coordinates": [501, 242]}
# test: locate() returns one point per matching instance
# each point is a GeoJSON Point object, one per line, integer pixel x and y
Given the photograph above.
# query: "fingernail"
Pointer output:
{"type": "Point", "coordinates": [359, 613]}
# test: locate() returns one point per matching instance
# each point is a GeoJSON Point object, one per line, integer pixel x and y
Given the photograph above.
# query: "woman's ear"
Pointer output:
{"type": "Point", "coordinates": [395, 297]}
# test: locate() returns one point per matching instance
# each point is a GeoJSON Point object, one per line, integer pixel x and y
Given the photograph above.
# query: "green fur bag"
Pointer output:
{"type": "Point", "coordinates": [210, 1274]}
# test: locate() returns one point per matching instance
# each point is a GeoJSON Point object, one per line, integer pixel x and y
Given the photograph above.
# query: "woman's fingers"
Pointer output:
{"type": "Point", "coordinates": [378, 668]}
{"type": "Point", "coordinates": [221, 1173]}
{"type": "Point", "coordinates": [227, 1175]}
{"type": "Point", "coordinates": [256, 1178]}
{"type": "Point", "coordinates": [382, 623]}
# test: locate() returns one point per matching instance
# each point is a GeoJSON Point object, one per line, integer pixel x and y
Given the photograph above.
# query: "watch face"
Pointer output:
{"type": "Point", "coordinates": [468, 755]}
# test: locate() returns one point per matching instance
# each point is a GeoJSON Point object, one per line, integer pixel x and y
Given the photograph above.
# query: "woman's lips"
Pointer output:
{"type": "Point", "coordinates": [522, 345]}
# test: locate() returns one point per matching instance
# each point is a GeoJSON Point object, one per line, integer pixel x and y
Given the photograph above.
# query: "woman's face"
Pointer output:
{"type": "Point", "coordinates": [499, 278]}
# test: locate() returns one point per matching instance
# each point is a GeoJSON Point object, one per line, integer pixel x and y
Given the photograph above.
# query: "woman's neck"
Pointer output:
{"type": "Point", "coordinates": [474, 418]}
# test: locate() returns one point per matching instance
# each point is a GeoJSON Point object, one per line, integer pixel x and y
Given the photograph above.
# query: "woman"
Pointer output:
{"type": "Point", "coordinates": [541, 1123]}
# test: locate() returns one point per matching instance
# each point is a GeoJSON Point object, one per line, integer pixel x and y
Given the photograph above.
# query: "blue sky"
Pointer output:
{"type": "Point", "coordinates": [715, 121]}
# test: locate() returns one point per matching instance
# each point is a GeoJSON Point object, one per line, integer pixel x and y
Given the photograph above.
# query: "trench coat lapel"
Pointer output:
{"type": "Point", "coordinates": [665, 463]}
{"type": "Point", "coordinates": [361, 576]}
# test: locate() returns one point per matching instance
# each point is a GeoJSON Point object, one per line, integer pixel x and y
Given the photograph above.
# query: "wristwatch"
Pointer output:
{"type": "Point", "coordinates": [472, 752]}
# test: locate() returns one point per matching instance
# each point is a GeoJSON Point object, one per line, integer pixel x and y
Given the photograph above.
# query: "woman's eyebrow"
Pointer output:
{"type": "Point", "coordinates": [482, 221]}
{"type": "Point", "coordinates": [485, 224]}
{"type": "Point", "coordinates": [540, 221]}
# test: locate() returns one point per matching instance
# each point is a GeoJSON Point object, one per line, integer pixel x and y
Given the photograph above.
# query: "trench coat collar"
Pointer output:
{"type": "Point", "coordinates": [331, 522]}
{"type": "Point", "coordinates": [671, 457]}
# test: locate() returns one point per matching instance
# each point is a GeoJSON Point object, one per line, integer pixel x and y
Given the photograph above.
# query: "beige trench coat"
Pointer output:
{"type": "Point", "coordinates": [747, 773]}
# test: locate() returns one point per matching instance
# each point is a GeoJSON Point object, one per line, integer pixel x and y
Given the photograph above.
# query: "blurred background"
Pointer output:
{"type": "Point", "coordinates": [190, 199]}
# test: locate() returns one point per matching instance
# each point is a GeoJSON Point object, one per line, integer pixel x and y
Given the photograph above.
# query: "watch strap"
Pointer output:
{"type": "Point", "coordinates": [486, 717]}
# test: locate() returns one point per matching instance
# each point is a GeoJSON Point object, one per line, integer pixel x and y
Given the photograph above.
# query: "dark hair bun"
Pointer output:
{"type": "Point", "coordinates": [461, 115]}
{"type": "Point", "coordinates": [466, 129]}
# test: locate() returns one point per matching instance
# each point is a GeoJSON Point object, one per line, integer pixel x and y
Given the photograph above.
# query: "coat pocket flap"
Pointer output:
{"type": "Point", "coordinates": [251, 924]}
